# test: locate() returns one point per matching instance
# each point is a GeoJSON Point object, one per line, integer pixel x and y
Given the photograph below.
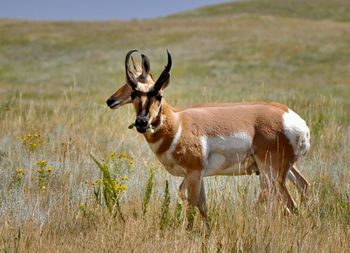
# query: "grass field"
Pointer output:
{"type": "Point", "coordinates": [56, 76]}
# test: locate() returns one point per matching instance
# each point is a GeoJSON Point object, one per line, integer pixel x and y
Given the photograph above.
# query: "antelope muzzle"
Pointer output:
{"type": "Point", "coordinates": [141, 124]}
{"type": "Point", "coordinates": [112, 102]}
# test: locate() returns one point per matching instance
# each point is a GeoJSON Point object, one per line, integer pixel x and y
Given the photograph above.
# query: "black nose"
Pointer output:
{"type": "Point", "coordinates": [141, 121]}
{"type": "Point", "coordinates": [110, 101]}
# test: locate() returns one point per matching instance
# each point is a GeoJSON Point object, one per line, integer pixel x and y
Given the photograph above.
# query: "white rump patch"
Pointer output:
{"type": "Point", "coordinates": [297, 132]}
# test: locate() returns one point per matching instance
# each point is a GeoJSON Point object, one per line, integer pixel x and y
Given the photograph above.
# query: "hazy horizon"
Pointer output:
{"type": "Point", "coordinates": [93, 10]}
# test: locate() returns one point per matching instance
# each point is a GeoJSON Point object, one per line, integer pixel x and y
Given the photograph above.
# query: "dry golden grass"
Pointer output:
{"type": "Point", "coordinates": [55, 77]}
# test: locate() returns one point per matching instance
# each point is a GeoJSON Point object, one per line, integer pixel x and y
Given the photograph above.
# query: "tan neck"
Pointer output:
{"type": "Point", "coordinates": [166, 126]}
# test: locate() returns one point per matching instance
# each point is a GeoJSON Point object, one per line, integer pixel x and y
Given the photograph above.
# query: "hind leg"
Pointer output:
{"type": "Point", "coordinates": [294, 175]}
{"type": "Point", "coordinates": [286, 197]}
{"type": "Point", "coordinates": [284, 169]}
{"type": "Point", "coordinates": [265, 182]}
{"type": "Point", "coordinates": [300, 182]}
{"type": "Point", "coordinates": [273, 174]}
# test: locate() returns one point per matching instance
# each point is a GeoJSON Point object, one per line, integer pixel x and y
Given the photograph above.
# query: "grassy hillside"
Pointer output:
{"type": "Point", "coordinates": [56, 76]}
{"type": "Point", "coordinates": [338, 10]}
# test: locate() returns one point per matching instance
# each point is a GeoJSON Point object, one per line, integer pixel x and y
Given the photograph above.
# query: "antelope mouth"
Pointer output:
{"type": "Point", "coordinates": [113, 104]}
{"type": "Point", "coordinates": [141, 130]}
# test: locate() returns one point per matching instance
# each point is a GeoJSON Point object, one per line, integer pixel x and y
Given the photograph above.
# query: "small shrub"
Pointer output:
{"type": "Point", "coordinates": [32, 141]}
{"type": "Point", "coordinates": [17, 178]}
{"type": "Point", "coordinates": [43, 175]}
{"type": "Point", "coordinates": [112, 184]}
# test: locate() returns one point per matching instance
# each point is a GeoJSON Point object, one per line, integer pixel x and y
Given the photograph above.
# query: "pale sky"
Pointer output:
{"type": "Point", "coordinates": [96, 9]}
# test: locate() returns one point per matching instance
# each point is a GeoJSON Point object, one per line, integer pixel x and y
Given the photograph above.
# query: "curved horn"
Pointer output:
{"type": "Point", "coordinates": [146, 66]}
{"type": "Point", "coordinates": [129, 76]}
{"type": "Point", "coordinates": [164, 76]}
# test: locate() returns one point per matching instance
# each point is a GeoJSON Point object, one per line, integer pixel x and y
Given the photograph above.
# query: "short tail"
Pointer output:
{"type": "Point", "coordinates": [303, 143]}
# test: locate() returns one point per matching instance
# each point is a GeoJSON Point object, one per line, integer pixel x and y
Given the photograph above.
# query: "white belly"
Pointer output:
{"type": "Point", "coordinates": [225, 155]}
{"type": "Point", "coordinates": [225, 166]}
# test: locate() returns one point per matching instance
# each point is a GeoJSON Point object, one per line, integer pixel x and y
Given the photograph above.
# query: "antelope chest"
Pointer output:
{"type": "Point", "coordinates": [167, 158]}
{"type": "Point", "coordinates": [171, 165]}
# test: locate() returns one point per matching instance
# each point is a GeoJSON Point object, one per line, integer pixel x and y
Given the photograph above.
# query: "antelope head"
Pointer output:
{"type": "Point", "coordinates": [123, 95]}
{"type": "Point", "coordinates": [146, 95]}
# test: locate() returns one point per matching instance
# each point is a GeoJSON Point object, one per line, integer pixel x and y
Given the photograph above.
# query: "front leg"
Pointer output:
{"type": "Point", "coordinates": [196, 196]}
{"type": "Point", "coordinates": [182, 190]}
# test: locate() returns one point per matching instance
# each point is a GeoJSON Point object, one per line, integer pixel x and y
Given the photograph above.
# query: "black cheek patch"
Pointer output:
{"type": "Point", "coordinates": [152, 93]}
{"type": "Point", "coordinates": [133, 95]}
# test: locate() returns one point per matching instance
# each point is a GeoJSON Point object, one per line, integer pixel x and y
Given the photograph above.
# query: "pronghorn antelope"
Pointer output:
{"type": "Point", "coordinates": [123, 96]}
{"type": "Point", "coordinates": [218, 139]}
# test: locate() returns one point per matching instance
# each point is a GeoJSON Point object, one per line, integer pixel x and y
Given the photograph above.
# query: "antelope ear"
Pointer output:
{"type": "Point", "coordinates": [136, 66]}
{"type": "Point", "coordinates": [130, 78]}
{"type": "Point", "coordinates": [164, 78]}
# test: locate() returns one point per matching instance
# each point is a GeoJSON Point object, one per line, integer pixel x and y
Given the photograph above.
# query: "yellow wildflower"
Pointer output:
{"type": "Point", "coordinates": [111, 154]}
{"type": "Point", "coordinates": [123, 155]}
{"type": "Point", "coordinates": [20, 171]}
{"type": "Point", "coordinates": [123, 187]}
{"type": "Point", "coordinates": [116, 186]}
{"type": "Point", "coordinates": [42, 163]}
{"type": "Point", "coordinates": [98, 181]}
{"type": "Point", "coordinates": [124, 178]}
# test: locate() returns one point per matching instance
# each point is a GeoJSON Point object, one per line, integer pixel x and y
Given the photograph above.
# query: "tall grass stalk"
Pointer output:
{"type": "Point", "coordinates": [164, 217]}
{"type": "Point", "coordinates": [148, 191]}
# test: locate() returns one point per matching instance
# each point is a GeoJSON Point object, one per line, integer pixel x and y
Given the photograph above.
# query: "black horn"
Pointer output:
{"type": "Point", "coordinates": [129, 75]}
{"type": "Point", "coordinates": [146, 66]}
{"type": "Point", "coordinates": [164, 77]}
